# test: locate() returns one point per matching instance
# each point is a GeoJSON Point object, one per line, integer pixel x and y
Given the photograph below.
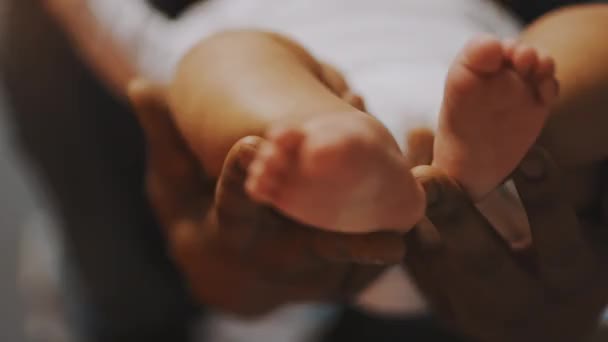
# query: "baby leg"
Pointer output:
{"type": "Point", "coordinates": [576, 132]}
{"type": "Point", "coordinates": [497, 98]}
{"type": "Point", "coordinates": [575, 135]}
{"type": "Point", "coordinates": [235, 83]}
{"type": "Point", "coordinates": [327, 163]}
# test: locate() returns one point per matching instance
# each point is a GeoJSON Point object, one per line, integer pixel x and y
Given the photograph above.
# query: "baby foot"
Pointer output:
{"type": "Point", "coordinates": [497, 99]}
{"type": "Point", "coordinates": [342, 172]}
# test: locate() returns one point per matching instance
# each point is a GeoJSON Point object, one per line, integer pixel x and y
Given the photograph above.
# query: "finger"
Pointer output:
{"type": "Point", "coordinates": [503, 209]}
{"type": "Point", "coordinates": [237, 213]}
{"type": "Point", "coordinates": [419, 143]}
{"type": "Point", "coordinates": [298, 256]}
{"type": "Point", "coordinates": [230, 192]}
{"type": "Point", "coordinates": [382, 248]}
{"type": "Point", "coordinates": [561, 252]}
{"type": "Point", "coordinates": [251, 227]}
{"type": "Point", "coordinates": [464, 231]}
{"type": "Point", "coordinates": [463, 265]}
{"type": "Point", "coordinates": [469, 251]}
{"type": "Point", "coordinates": [235, 286]}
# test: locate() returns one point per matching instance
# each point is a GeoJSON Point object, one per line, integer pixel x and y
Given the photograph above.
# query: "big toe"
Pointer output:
{"type": "Point", "coordinates": [484, 54]}
{"type": "Point", "coordinates": [548, 91]}
{"type": "Point", "coordinates": [285, 137]}
{"type": "Point", "coordinates": [546, 67]}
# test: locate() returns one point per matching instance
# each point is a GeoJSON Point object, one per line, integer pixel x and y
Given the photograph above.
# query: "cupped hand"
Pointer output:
{"type": "Point", "coordinates": [553, 292]}
{"type": "Point", "coordinates": [237, 255]}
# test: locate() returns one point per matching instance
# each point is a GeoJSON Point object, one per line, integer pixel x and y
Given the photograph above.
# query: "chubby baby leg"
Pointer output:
{"type": "Point", "coordinates": [327, 163]}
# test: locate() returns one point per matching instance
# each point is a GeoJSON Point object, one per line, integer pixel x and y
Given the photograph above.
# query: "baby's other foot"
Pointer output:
{"type": "Point", "coordinates": [497, 98]}
{"type": "Point", "coordinates": [342, 172]}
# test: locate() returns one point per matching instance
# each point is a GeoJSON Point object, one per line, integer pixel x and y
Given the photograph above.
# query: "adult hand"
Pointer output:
{"type": "Point", "coordinates": [236, 255]}
{"type": "Point", "coordinates": [555, 292]}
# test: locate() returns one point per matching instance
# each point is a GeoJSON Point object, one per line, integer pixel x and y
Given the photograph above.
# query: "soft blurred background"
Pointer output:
{"type": "Point", "coordinates": [15, 203]}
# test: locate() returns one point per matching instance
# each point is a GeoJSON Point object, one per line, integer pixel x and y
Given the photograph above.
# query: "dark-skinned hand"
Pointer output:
{"type": "Point", "coordinates": [553, 292]}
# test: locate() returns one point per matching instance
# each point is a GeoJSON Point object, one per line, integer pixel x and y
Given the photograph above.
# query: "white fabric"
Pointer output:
{"type": "Point", "coordinates": [296, 323]}
{"type": "Point", "coordinates": [393, 52]}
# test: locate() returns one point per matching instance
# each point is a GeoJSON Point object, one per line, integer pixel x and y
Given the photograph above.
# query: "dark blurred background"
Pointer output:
{"type": "Point", "coordinates": [15, 204]}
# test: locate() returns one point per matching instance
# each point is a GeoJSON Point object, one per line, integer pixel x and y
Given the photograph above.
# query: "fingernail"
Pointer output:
{"type": "Point", "coordinates": [433, 193]}
{"type": "Point", "coordinates": [533, 169]}
{"type": "Point", "coordinates": [521, 243]}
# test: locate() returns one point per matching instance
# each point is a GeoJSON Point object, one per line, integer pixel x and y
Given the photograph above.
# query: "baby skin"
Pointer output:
{"type": "Point", "coordinates": [344, 171]}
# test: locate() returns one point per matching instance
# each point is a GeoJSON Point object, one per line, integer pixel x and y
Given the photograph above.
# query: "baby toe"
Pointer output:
{"type": "Point", "coordinates": [483, 54]}
{"type": "Point", "coordinates": [285, 137]}
{"type": "Point", "coordinates": [545, 68]}
{"type": "Point", "coordinates": [548, 90]}
{"type": "Point", "coordinates": [509, 46]}
{"type": "Point", "coordinates": [261, 189]}
{"type": "Point", "coordinates": [277, 163]}
{"type": "Point", "coordinates": [260, 184]}
{"type": "Point", "coordinates": [525, 59]}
